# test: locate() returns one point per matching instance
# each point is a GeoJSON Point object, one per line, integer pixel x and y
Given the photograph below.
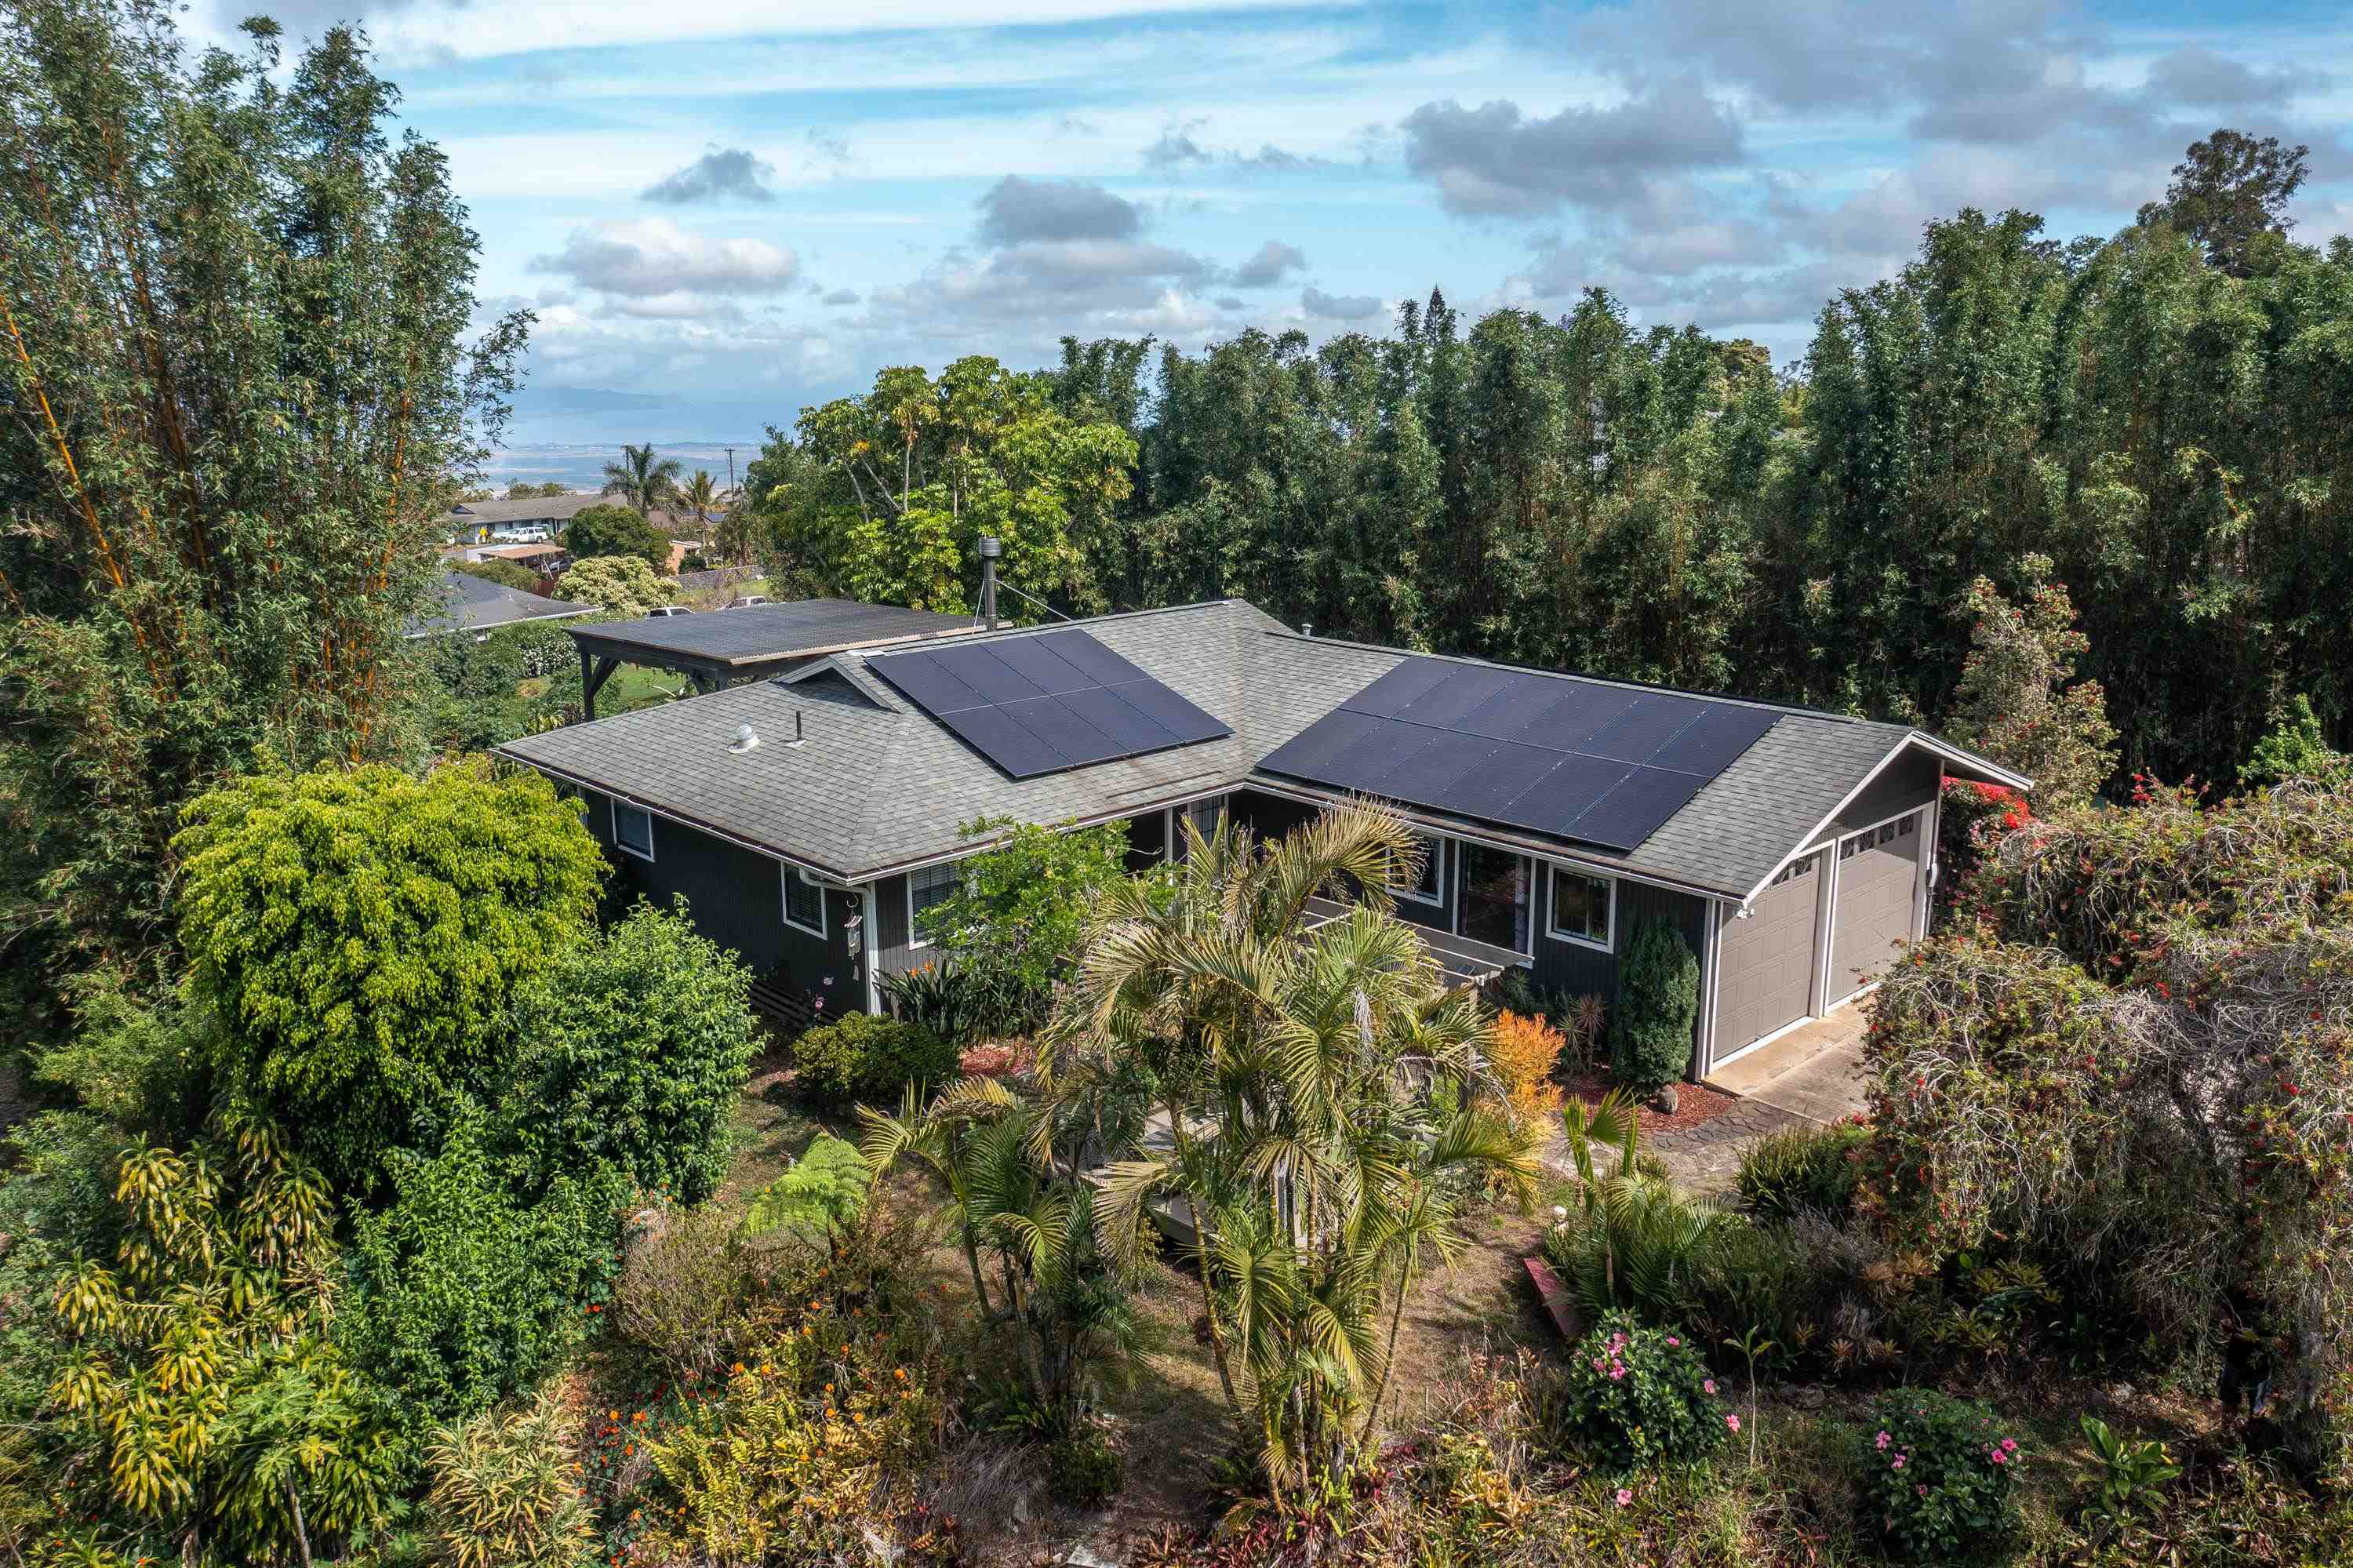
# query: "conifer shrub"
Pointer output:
{"type": "Point", "coordinates": [1658, 1008]}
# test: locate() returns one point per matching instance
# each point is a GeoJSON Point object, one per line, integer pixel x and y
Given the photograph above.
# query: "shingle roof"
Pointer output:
{"type": "Point", "coordinates": [762, 634]}
{"type": "Point", "coordinates": [472, 604]}
{"type": "Point", "coordinates": [878, 785]}
{"type": "Point", "coordinates": [529, 509]}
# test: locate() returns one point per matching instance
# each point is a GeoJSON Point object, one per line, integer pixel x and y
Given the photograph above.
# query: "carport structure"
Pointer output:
{"type": "Point", "coordinates": [721, 648]}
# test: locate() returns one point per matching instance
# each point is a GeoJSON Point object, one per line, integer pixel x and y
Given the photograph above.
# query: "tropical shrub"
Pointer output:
{"type": "Point", "coordinates": [2133, 1472]}
{"type": "Point", "coordinates": [946, 998]}
{"type": "Point", "coordinates": [1658, 1008]}
{"type": "Point", "coordinates": [689, 1292]}
{"type": "Point", "coordinates": [1940, 1473]}
{"type": "Point", "coordinates": [1087, 1471]}
{"type": "Point", "coordinates": [1639, 1399]}
{"type": "Point", "coordinates": [361, 934]}
{"type": "Point", "coordinates": [200, 1390]}
{"type": "Point", "coordinates": [869, 1059]}
{"type": "Point", "coordinates": [1807, 1170]}
{"type": "Point", "coordinates": [2295, 748]}
{"type": "Point", "coordinates": [1632, 1239]}
{"type": "Point", "coordinates": [635, 1043]}
{"type": "Point", "coordinates": [2030, 1072]}
{"type": "Point", "coordinates": [2015, 703]}
{"type": "Point", "coordinates": [1013, 920]}
{"type": "Point", "coordinates": [622, 584]}
{"type": "Point", "coordinates": [1524, 1054]}
{"type": "Point", "coordinates": [463, 1292]}
{"type": "Point", "coordinates": [505, 1491]}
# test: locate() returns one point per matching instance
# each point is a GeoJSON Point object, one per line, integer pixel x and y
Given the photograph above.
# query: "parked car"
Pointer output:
{"type": "Point", "coordinates": [662, 611]}
{"type": "Point", "coordinates": [746, 601]}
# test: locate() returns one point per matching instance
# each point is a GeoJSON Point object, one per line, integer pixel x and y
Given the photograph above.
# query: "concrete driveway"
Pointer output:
{"type": "Point", "coordinates": [1813, 1072]}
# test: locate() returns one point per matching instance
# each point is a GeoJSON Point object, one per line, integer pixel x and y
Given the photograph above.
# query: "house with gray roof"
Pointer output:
{"type": "Point", "coordinates": [808, 818]}
{"type": "Point", "coordinates": [473, 605]}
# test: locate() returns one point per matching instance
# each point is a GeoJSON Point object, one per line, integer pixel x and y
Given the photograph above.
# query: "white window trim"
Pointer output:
{"type": "Point", "coordinates": [1438, 862]}
{"type": "Point", "coordinates": [786, 903]}
{"type": "Point", "coordinates": [1554, 869]}
{"type": "Point", "coordinates": [646, 853]}
{"type": "Point", "coordinates": [915, 936]}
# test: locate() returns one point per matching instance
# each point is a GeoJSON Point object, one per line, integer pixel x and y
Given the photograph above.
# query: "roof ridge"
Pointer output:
{"type": "Point", "coordinates": [1791, 709]}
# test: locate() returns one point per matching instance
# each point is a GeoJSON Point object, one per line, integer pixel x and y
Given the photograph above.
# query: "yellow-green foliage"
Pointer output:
{"type": "Point", "coordinates": [361, 933]}
{"type": "Point", "coordinates": [505, 1491]}
{"type": "Point", "coordinates": [200, 1383]}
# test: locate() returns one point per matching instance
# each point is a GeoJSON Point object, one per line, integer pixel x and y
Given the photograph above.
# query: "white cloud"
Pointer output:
{"type": "Point", "coordinates": [653, 257]}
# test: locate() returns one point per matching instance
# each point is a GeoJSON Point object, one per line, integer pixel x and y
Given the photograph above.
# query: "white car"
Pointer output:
{"type": "Point", "coordinates": [745, 602]}
{"type": "Point", "coordinates": [663, 611]}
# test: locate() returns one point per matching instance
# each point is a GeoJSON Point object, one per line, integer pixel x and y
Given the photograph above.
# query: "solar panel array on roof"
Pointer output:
{"type": "Point", "coordinates": [1569, 757]}
{"type": "Point", "coordinates": [1046, 702]}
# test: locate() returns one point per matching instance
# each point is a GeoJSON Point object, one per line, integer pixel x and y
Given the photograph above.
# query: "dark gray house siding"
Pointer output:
{"type": "Point", "coordinates": [736, 899]}
{"type": "Point", "coordinates": [1576, 969]}
{"type": "Point", "coordinates": [1911, 782]}
{"type": "Point", "coordinates": [895, 944]}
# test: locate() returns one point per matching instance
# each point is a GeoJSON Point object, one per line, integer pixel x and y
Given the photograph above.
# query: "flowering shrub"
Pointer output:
{"type": "Point", "coordinates": [1640, 1398]}
{"type": "Point", "coordinates": [1940, 1473]}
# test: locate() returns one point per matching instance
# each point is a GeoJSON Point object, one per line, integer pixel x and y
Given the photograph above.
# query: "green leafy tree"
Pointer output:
{"type": "Point", "coordinates": [643, 479]}
{"type": "Point", "coordinates": [233, 348]}
{"type": "Point", "coordinates": [1315, 1172]}
{"type": "Point", "coordinates": [2296, 749]}
{"type": "Point", "coordinates": [465, 1291]}
{"type": "Point", "coordinates": [635, 1044]}
{"type": "Point", "coordinates": [596, 532]}
{"type": "Point", "coordinates": [1014, 920]}
{"type": "Point", "coordinates": [361, 935]}
{"type": "Point", "coordinates": [222, 1423]}
{"type": "Point", "coordinates": [882, 497]}
{"type": "Point", "coordinates": [622, 584]}
{"type": "Point", "coordinates": [2015, 703]}
{"type": "Point", "coordinates": [2229, 190]}
{"type": "Point", "coordinates": [524, 490]}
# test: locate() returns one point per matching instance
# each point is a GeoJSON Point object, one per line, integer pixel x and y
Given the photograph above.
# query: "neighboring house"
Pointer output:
{"type": "Point", "coordinates": [472, 605]}
{"type": "Point", "coordinates": [1794, 850]}
{"type": "Point", "coordinates": [534, 520]}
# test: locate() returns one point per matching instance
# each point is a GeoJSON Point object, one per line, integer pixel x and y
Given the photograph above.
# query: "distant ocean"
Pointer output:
{"type": "Point", "coordinates": [580, 465]}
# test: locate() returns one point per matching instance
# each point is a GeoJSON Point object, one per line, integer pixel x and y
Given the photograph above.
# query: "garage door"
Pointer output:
{"type": "Point", "coordinates": [1878, 874]}
{"type": "Point", "coordinates": [1766, 961]}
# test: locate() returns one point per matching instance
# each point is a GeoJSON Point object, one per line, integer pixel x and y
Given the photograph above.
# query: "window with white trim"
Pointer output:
{"type": "Point", "coordinates": [633, 831]}
{"type": "Point", "coordinates": [1431, 888]}
{"type": "Point", "coordinates": [930, 885]}
{"type": "Point", "coordinates": [804, 903]}
{"type": "Point", "coordinates": [1583, 907]}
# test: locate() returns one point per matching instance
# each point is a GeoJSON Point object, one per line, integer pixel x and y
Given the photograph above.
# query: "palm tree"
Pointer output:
{"type": "Point", "coordinates": [1315, 1135]}
{"type": "Point", "coordinates": [1635, 1240]}
{"type": "Point", "coordinates": [699, 495]}
{"type": "Point", "coordinates": [642, 479]}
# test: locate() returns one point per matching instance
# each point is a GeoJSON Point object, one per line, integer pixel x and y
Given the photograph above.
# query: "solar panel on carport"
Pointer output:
{"type": "Point", "coordinates": [1046, 702]}
{"type": "Point", "coordinates": [1564, 757]}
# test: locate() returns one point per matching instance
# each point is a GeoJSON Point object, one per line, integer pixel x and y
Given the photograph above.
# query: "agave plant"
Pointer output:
{"type": "Point", "coordinates": [1633, 1240]}
{"type": "Point", "coordinates": [1305, 1149]}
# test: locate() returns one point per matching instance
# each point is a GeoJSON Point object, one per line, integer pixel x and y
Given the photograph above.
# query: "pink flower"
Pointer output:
{"type": "Point", "coordinates": [1883, 1441]}
{"type": "Point", "coordinates": [1922, 1489]}
{"type": "Point", "coordinates": [1672, 1341]}
{"type": "Point", "coordinates": [1733, 1422]}
{"type": "Point", "coordinates": [1999, 1457]}
{"type": "Point", "coordinates": [1600, 1365]}
{"type": "Point", "coordinates": [1615, 1372]}
{"type": "Point", "coordinates": [1625, 1496]}
{"type": "Point", "coordinates": [1708, 1383]}
{"type": "Point", "coordinates": [1898, 1464]}
{"type": "Point", "coordinates": [2010, 1444]}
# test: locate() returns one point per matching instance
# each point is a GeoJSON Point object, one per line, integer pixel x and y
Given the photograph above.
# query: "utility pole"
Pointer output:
{"type": "Point", "coordinates": [730, 468]}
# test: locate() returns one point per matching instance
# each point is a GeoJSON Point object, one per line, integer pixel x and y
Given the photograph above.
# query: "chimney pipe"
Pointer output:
{"type": "Point", "coordinates": [1306, 629]}
{"type": "Point", "coordinates": [990, 550]}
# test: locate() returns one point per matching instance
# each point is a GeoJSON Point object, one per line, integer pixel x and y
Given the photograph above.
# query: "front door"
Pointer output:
{"type": "Point", "coordinates": [1496, 897]}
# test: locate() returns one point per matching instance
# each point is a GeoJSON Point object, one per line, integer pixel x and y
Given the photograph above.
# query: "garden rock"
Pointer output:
{"type": "Point", "coordinates": [1665, 1100]}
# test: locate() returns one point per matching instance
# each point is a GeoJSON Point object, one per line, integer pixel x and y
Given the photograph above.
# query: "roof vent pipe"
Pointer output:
{"type": "Point", "coordinates": [990, 548]}
{"type": "Point", "coordinates": [797, 735]}
{"type": "Point", "coordinates": [1306, 629]}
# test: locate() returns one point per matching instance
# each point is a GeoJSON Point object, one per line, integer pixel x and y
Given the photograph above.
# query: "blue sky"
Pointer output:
{"type": "Point", "coordinates": [723, 211]}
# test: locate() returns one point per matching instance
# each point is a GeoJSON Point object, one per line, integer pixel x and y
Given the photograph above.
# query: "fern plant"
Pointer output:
{"type": "Point", "coordinates": [825, 1189]}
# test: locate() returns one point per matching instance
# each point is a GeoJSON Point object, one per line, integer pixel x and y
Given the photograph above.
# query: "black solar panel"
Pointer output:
{"type": "Point", "coordinates": [1046, 702]}
{"type": "Point", "coordinates": [1566, 758]}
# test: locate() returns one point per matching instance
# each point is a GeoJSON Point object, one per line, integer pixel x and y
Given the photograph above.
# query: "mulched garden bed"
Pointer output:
{"type": "Point", "coordinates": [1694, 1104]}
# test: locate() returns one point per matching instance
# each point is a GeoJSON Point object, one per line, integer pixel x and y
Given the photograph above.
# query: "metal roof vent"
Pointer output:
{"type": "Point", "coordinates": [747, 739]}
